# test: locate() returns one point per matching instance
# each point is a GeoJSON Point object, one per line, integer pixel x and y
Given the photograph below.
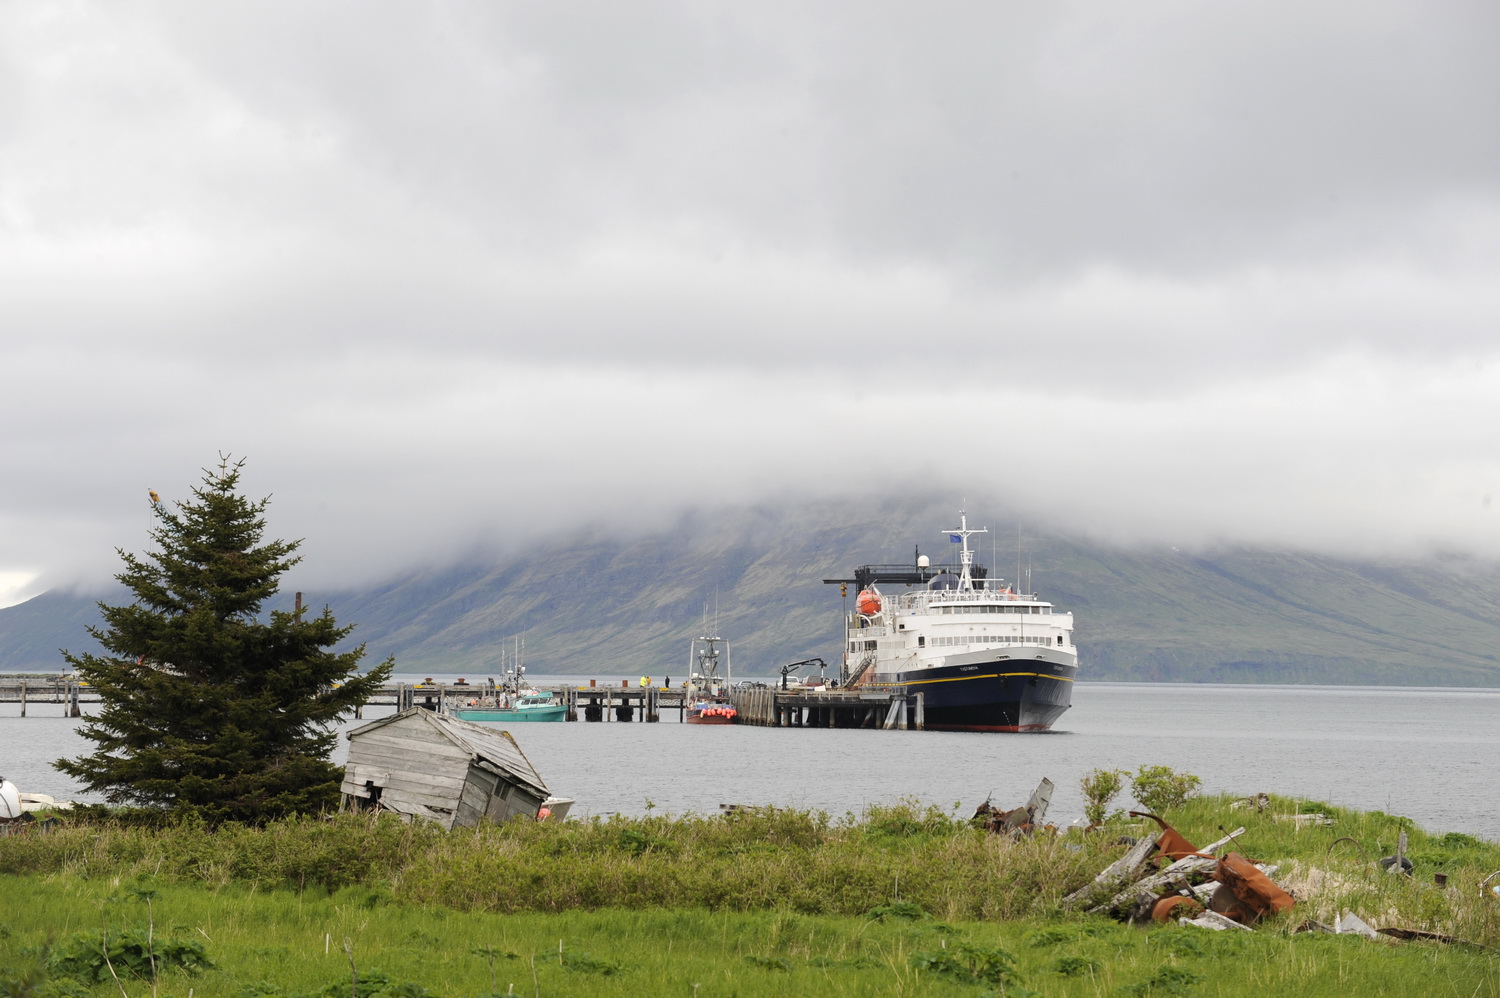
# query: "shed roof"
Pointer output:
{"type": "Point", "coordinates": [483, 744]}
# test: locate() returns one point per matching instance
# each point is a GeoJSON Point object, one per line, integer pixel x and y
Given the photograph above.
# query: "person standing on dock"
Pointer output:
{"type": "Point", "coordinates": [645, 682]}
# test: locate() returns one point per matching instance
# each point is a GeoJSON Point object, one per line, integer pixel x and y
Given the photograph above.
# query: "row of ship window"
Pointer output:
{"type": "Point", "coordinates": [984, 639]}
{"type": "Point", "coordinates": [990, 608]}
{"type": "Point", "coordinates": [972, 639]}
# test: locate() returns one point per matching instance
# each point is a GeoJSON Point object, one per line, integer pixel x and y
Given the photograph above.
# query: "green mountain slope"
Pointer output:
{"type": "Point", "coordinates": [608, 606]}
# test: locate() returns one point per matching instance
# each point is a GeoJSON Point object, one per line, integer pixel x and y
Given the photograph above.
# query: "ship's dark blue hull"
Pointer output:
{"type": "Point", "coordinates": [1005, 695]}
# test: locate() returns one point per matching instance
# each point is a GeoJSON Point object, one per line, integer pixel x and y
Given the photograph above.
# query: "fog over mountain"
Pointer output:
{"type": "Point", "coordinates": [478, 277]}
{"type": "Point", "coordinates": [599, 605]}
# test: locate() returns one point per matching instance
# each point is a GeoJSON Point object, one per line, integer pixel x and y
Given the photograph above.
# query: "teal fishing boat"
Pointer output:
{"type": "Point", "coordinates": [529, 707]}
{"type": "Point", "coordinates": [513, 700]}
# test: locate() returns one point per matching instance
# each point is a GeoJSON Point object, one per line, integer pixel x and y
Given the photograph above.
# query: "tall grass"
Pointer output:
{"type": "Point", "coordinates": [793, 861]}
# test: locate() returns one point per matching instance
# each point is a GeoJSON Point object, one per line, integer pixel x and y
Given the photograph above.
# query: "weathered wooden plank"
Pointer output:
{"type": "Point", "coordinates": [1186, 865]}
{"type": "Point", "coordinates": [412, 723]}
{"type": "Point", "coordinates": [1155, 882]}
{"type": "Point", "coordinates": [476, 793]}
{"type": "Point", "coordinates": [470, 808]}
{"type": "Point", "coordinates": [407, 756]}
{"type": "Point", "coordinates": [440, 816]}
{"type": "Point", "coordinates": [423, 740]}
{"type": "Point", "coordinates": [445, 795]}
{"type": "Point", "coordinates": [1218, 844]}
{"type": "Point", "coordinates": [363, 774]}
{"type": "Point", "coordinates": [1041, 797]}
{"type": "Point", "coordinates": [426, 783]}
{"type": "Point", "coordinates": [426, 800]}
{"type": "Point", "coordinates": [413, 765]}
{"type": "Point", "coordinates": [1122, 871]}
{"type": "Point", "coordinates": [1213, 920]}
{"type": "Point", "coordinates": [508, 775]}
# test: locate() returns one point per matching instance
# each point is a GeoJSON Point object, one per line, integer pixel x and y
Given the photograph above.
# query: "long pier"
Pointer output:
{"type": "Point", "coordinates": [33, 690]}
{"type": "Point", "coordinates": [594, 702]}
{"type": "Point", "coordinates": [763, 706]}
{"type": "Point", "coordinates": [851, 708]}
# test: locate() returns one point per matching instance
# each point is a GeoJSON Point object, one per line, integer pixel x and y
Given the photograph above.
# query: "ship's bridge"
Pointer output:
{"type": "Point", "coordinates": [969, 601]}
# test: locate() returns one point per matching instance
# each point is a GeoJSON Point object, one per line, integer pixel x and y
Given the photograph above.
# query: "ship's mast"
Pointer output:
{"type": "Point", "coordinates": [703, 658]}
{"type": "Point", "coordinates": [966, 557]}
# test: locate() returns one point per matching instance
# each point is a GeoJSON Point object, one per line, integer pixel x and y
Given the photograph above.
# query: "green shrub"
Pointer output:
{"type": "Point", "coordinates": [578, 962]}
{"type": "Point", "coordinates": [638, 843]}
{"type": "Point", "coordinates": [1179, 941]}
{"type": "Point", "coordinates": [1160, 789]}
{"type": "Point", "coordinates": [1074, 966]}
{"type": "Point", "coordinates": [1166, 981]}
{"type": "Point", "coordinates": [1100, 786]}
{"type": "Point", "coordinates": [908, 818]}
{"type": "Point", "coordinates": [90, 956]}
{"type": "Point", "coordinates": [906, 910]}
{"type": "Point", "coordinates": [971, 964]}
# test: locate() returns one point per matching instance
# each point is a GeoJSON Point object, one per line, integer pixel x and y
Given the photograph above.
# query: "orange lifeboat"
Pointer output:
{"type": "Point", "coordinates": [867, 603]}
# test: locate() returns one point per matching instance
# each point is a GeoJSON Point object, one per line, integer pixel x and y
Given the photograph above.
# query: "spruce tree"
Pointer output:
{"type": "Point", "coordinates": [208, 706]}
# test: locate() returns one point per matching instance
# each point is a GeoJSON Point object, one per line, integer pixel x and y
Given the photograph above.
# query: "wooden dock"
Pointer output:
{"type": "Point", "coordinates": [593, 702]}
{"type": "Point", "coordinates": [596, 701]}
{"type": "Point", "coordinates": [30, 691]}
{"type": "Point", "coordinates": [829, 709]}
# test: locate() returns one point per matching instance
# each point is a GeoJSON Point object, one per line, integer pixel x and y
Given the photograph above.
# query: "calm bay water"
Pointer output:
{"type": "Point", "coordinates": [1430, 754]}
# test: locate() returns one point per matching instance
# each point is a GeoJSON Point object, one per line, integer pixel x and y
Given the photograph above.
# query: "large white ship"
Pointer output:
{"type": "Point", "coordinates": [987, 658]}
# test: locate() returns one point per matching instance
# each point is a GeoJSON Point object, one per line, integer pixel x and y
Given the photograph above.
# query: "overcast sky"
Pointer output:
{"type": "Point", "coordinates": [453, 272]}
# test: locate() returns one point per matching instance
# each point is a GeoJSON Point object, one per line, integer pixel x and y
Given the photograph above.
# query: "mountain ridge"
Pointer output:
{"type": "Point", "coordinates": [606, 605]}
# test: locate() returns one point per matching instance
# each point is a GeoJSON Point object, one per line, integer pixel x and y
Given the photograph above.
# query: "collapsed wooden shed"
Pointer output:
{"type": "Point", "coordinates": [427, 765]}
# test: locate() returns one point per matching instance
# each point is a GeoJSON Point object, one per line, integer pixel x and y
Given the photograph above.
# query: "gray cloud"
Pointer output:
{"type": "Point", "coordinates": [468, 272]}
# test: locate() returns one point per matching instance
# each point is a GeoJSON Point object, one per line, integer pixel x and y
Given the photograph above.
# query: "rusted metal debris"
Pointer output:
{"type": "Point", "coordinates": [1407, 935]}
{"type": "Point", "coordinates": [1196, 887]}
{"type": "Point", "coordinates": [1351, 924]}
{"type": "Point", "coordinates": [1256, 895]}
{"type": "Point", "coordinates": [1171, 843]}
{"type": "Point", "coordinates": [1017, 821]}
{"type": "Point", "coordinates": [1200, 888]}
{"type": "Point", "coordinates": [1397, 863]}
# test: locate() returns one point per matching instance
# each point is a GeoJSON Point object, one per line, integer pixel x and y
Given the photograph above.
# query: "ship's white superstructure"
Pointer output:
{"type": "Point", "coordinates": [987, 657]}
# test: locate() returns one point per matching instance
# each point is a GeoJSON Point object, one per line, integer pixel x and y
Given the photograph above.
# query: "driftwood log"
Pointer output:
{"type": "Point", "coordinates": [1121, 872]}
{"type": "Point", "coordinates": [1118, 880]}
{"type": "Point", "coordinates": [1154, 883]}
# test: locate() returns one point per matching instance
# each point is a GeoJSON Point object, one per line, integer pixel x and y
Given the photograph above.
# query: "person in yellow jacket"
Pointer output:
{"type": "Point", "coordinates": [645, 682]}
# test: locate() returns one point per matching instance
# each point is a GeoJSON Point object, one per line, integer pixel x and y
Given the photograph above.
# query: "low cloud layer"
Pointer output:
{"type": "Point", "coordinates": [473, 274]}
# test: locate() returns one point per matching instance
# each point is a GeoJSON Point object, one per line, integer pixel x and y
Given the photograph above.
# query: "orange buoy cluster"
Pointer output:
{"type": "Point", "coordinates": [719, 712]}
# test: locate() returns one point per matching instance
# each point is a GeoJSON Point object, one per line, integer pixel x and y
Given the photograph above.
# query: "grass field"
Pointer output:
{"type": "Point", "coordinates": [898, 901]}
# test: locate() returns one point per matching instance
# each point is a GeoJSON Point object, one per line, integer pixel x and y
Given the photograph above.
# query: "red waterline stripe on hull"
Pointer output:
{"type": "Point", "coordinates": [989, 727]}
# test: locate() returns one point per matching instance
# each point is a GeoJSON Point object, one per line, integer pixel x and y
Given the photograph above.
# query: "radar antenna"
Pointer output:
{"type": "Point", "coordinates": [966, 556]}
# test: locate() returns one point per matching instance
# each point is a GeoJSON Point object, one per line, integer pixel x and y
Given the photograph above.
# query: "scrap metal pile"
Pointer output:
{"type": "Point", "coordinates": [1167, 877]}
{"type": "Point", "coordinates": [1162, 878]}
